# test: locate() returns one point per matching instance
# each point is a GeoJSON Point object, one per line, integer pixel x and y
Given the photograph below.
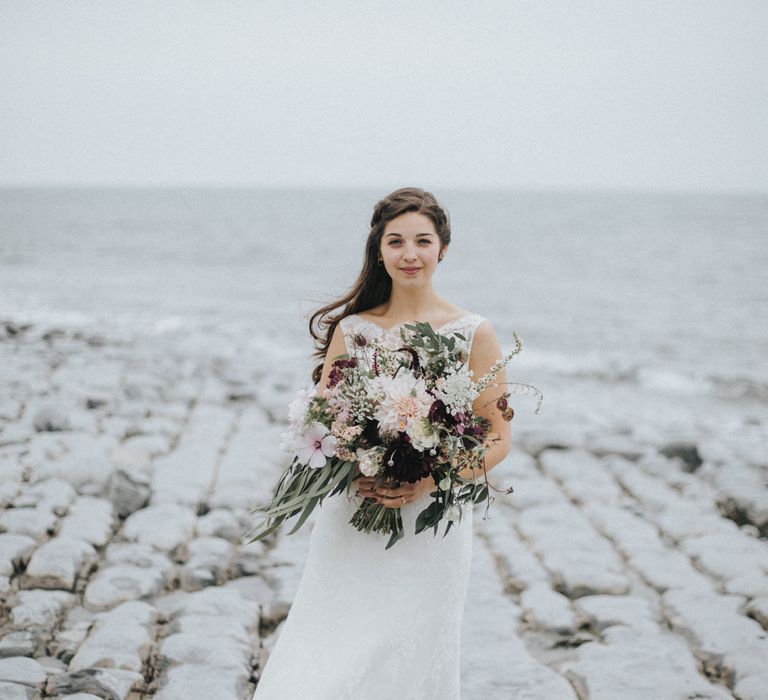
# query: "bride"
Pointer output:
{"type": "Point", "coordinates": [368, 623]}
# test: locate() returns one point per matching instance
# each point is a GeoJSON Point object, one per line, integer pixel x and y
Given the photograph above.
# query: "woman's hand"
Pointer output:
{"type": "Point", "coordinates": [394, 494]}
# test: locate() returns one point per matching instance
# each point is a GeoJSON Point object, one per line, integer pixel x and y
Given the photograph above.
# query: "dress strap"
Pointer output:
{"type": "Point", "coordinates": [350, 327]}
{"type": "Point", "coordinates": [467, 328]}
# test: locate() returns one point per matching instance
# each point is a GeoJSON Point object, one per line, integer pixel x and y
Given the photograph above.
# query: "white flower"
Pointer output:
{"type": "Point", "coordinates": [452, 512]}
{"type": "Point", "coordinates": [423, 436]}
{"type": "Point", "coordinates": [456, 390]}
{"type": "Point", "coordinates": [314, 445]}
{"type": "Point", "coordinates": [297, 409]}
{"type": "Point", "coordinates": [297, 416]}
{"type": "Point", "coordinates": [405, 400]}
{"type": "Point", "coordinates": [370, 460]}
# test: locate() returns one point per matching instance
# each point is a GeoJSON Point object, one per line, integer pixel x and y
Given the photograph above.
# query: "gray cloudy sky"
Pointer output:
{"type": "Point", "coordinates": [648, 94]}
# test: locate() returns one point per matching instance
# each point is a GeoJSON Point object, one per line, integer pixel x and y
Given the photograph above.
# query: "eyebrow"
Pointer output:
{"type": "Point", "coordinates": [424, 233]}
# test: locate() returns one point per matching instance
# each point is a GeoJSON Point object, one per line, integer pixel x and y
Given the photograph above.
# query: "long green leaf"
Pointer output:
{"type": "Point", "coordinates": [307, 510]}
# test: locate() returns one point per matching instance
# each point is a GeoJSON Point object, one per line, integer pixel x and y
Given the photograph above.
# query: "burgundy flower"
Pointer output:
{"type": "Point", "coordinates": [334, 377]}
{"type": "Point", "coordinates": [360, 340]}
{"type": "Point", "coordinates": [344, 362]}
{"type": "Point", "coordinates": [474, 430]}
{"type": "Point", "coordinates": [337, 370]}
{"type": "Point", "coordinates": [408, 464]}
{"type": "Point", "coordinates": [438, 413]}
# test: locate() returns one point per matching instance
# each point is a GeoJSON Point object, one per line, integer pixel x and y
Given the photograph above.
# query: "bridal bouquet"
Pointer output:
{"type": "Point", "coordinates": [396, 414]}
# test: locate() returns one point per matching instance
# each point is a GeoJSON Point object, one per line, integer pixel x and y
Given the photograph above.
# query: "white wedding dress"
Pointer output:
{"type": "Point", "coordinates": [369, 623]}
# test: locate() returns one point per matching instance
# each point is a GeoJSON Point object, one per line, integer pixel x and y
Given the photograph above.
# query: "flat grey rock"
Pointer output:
{"type": "Point", "coordinates": [122, 582]}
{"type": "Point", "coordinates": [129, 490]}
{"type": "Point", "coordinates": [120, 638]}
{"type": "Point", "coordinates": [635, 665]}
{"type": "Point", "coordinates": [50, 417]}
{"type": "Point", "coordinates": [164, 526]}
{"type": "Point", "coordinates": [19, 643]}
{"type": "Point", "coordinates": [14, 691]}
{"type": "Point", "coordinates": [53, 494]}
{"type": "Point", "coordinates": [607, 610]}
{"type": "Point", "coordinates": [548, 609]}
{"type": "Point", "coordinates": [58, 563]}
{"type": "Point", "coordinates": [38, 608]}
{"type": "Point", "coordinates": [90, 519]}
{"type": "Point", "coordinates": [22, 670]}
{"type": "Point", "coordinates": [33, 522]}
{"type": "Point", "coordinates": [112, 683]}
{"type": "Point", "coordinates": [198, 680]}
{"type": "Point", "coordinates": [211, 561]}
{"type": "Point", "coordinates": [14, 550]}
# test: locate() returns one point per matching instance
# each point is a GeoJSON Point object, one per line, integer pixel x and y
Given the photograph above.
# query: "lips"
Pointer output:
{"type": "Point", "coordinates": [410, 269]}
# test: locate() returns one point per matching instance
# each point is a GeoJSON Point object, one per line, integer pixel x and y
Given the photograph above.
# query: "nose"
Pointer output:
{"type": "Point", "coordinates": [409, 253]}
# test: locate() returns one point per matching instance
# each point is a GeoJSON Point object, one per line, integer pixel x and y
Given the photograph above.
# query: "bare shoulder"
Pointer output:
{"type": "Point", "coordinates": [485, 345]}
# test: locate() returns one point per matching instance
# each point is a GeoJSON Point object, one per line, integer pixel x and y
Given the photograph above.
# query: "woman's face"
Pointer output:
{"type": "Point", "coordinates": [410, 248]}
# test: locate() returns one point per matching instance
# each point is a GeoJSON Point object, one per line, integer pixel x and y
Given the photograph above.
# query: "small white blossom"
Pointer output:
{"type": "Point", "coordinates": [423, 436]}
{"type": "Point", "coordinates": [456, 390]}
{"type": "Point", "coordinates": [370, 461]}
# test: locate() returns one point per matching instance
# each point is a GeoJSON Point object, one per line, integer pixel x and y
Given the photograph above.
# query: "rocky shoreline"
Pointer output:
{"type": "Point", "coordinates": [626, 564]}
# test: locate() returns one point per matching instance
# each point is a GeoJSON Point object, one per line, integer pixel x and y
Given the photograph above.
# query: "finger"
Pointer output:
{"type": "Point", "coordinates": [395, 500]}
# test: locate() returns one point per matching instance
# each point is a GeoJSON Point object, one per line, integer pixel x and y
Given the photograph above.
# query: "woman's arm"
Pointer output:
{"type": "Point", "coordinates": [486, 351]}
{"type": "Point", "coordinates": [337, 347]}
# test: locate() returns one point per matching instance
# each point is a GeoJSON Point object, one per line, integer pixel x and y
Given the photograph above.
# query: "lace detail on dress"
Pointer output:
{"type": "Point", "coordinates": [353, 324]}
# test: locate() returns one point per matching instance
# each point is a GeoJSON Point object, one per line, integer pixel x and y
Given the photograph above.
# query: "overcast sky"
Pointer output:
{"type": "Point", "coordinates": [650, 94]}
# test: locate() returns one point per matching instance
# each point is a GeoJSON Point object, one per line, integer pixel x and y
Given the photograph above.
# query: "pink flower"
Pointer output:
{"type": "Point", "coordinates": [405, 400]}
{"type": "Point", "coordinates": [315, 445]}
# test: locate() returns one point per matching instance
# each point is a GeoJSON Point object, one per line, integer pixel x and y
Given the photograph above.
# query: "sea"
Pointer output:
{"type": "Point", "coordinates": [664, 292]}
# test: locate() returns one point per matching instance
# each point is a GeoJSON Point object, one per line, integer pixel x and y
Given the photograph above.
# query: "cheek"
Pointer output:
{"type": "Point", "coordinates": [433, 254]}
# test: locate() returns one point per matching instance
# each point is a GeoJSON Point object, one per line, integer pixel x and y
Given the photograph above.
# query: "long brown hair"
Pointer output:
{"type": "Point", "coordinates": [374, 285]}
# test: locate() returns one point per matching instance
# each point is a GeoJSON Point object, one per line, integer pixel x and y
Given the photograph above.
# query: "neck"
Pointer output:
{"type": "Point", "coordinates": [412, 304]}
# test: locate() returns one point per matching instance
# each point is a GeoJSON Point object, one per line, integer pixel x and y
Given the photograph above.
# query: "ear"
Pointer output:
{"type": "Point", "coordinates": [443, 252]}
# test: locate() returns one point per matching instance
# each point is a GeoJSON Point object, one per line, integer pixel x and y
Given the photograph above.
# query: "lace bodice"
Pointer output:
{"type": "Point", "coordinates": [354, 323]}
